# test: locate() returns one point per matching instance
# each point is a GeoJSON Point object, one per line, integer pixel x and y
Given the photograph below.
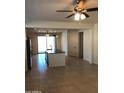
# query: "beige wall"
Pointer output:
{"type": "Point", "coordinates": [58, 41]}
{"type": "Point", "coordinates": [95, 44]}
{"type": "Point", "coordinates": [73, 43]}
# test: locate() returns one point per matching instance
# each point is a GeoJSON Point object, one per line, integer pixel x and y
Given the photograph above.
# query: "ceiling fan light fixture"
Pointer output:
{"type": "Point", "coordinates": [83, 16]}
{"type": "Point", "coordinates": [77, 16]}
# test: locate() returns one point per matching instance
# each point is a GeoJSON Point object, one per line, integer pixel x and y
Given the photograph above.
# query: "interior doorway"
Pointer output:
{"type": "Point", "coordinates": [81, 44]}
{"type": "Point", "coordinates": [46, 43]}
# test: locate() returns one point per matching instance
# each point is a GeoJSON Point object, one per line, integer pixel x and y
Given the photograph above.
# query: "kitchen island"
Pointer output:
{"type": "Point", "coordinates": [55, 58]}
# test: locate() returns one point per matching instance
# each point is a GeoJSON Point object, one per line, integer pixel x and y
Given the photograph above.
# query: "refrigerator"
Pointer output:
{"type": "Point", "coordinates": [29, 53]}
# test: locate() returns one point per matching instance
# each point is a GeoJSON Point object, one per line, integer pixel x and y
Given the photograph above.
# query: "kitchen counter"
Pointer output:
{"type": "Point", "coordinates": [55, 58]}
{"type": "Point", "coordinates": [54, 51]}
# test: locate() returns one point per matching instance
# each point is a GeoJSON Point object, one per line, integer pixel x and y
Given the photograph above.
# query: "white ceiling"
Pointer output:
{"type": "Point", "coordinates": [45, 10]}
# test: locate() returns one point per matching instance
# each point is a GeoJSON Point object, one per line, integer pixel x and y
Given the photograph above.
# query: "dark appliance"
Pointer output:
{"type": "Point", "coordinates": [29, 54]}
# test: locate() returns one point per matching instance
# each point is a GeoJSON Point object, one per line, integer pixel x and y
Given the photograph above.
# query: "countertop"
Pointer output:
{"type": "Point", "coordinates": [54, 51]}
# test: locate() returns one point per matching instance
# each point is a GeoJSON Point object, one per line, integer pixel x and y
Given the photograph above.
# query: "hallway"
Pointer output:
{"type": "Point", "coordinates": [77, 76]}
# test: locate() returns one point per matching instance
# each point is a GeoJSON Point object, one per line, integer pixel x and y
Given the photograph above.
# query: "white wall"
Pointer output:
{"type": "Point", "coordinates": [87, 48]}
{"type": "Point", "coordinates": [64, 42]}
{"type": "Point", "coordinates": [90, 44]}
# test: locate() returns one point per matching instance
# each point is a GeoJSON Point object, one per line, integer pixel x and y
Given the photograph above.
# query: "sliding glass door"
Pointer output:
{"type": "Point", "coordinates": [50, 43]}
{"type": "Point", "coordinates": [46, 43]}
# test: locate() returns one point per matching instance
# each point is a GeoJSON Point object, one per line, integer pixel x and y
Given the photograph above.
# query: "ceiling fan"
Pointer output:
{"type": "Point", "coordinates": [79, 9]}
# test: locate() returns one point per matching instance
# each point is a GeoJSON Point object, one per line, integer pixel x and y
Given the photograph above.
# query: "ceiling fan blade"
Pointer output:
{"type": "Point", "coordinates": [70, 15]}
{"type": "Point", "coordinates": [92, 9]}
{"type": "Point", "coordinates": [86, 15]}
{"type": "Point", "coordinates": [64, 11]}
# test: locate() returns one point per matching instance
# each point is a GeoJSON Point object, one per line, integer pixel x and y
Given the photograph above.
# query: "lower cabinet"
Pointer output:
{"type": "Point", "coordinates": [57, 59]}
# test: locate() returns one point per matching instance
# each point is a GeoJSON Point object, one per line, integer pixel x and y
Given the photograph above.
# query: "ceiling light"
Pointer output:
{"type": "Point", "coordinates": [77, 17]}
{"type": "Point", "coordinates": [83, 16]}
